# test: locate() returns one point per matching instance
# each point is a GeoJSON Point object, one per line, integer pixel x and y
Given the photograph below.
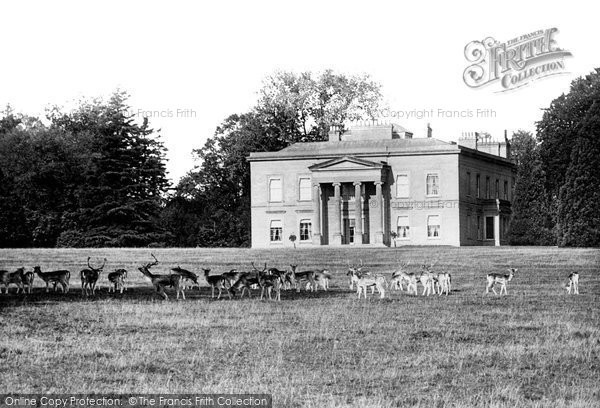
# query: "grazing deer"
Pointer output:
{"type": "Point", "coordinates": [55, 277]}
{"type": "Point", "coordinates": [246, 281]}
{"type": "Point", "coordinates": [215, 281]}
{"type": "Point", "coordinates": [160, 282]}
{"type": "Point", "coordinates": [573, 283]}
{"type": "Point", "coordinates": [89, 277]}
{"type": "Point", "coordinates": [299, 277]}
{"type": "Point", "coordinates": [15, 277]}
{"type": "Point", "coordinates": [500, 279]}
{"type": "Point", "coordinates": [28, 278]}
{"type": "Point", "coordinates": [365, 282]}
{"type": "Point", "coordinates": [187, 276]}
{"type": "Point", "coordinates": [117, 280]}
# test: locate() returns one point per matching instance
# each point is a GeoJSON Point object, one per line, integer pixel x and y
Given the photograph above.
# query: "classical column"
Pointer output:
{"type": "Point", "coordinates": [378, 213]}
{"type": "Point", "coordinates": [316, 227]}
{"type": "Point", "coordinates": [337, 227]}
{"type": "Point", "coordinates": [497, 230]}
{"type": "Point", "coordinates": [358, 238]}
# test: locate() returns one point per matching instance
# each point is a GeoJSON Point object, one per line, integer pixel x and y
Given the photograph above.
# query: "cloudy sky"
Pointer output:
{"type": "Point", "coordinates": [192, 64]}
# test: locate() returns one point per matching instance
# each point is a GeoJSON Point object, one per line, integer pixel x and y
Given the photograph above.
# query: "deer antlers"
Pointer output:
{"type": "Point", "coordinates": [151, 264]}
{"type": "Point", "coordinates": [95, 269]}
{"type": "Point", "coordinates": [258, 270]}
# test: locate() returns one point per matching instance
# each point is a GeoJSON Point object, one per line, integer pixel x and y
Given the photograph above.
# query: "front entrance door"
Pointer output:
{"type": "Point", "coordinates": [349, 224]}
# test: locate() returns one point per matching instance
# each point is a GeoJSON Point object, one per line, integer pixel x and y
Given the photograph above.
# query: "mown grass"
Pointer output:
{"type": "Point", "coordinates": [535, 347]}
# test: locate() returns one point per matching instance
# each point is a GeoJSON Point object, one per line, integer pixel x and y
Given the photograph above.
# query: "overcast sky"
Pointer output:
{"type": "Point", "coordinates": [196, 63]}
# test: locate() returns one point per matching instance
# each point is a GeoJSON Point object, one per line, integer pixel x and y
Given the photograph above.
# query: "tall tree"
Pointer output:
{"type": "Point", "coordinates": [530, 222]}
{"type": "Point", "coordinates": [304, 106]}
{"type": "Point", "coordinates": [559, 128]}
{"type": "Point", "coordinates": [579, 199]}
{"type": "Point", "coordinates": [124, 177]}
{"type": "Point", "coordinates": [291, 108]}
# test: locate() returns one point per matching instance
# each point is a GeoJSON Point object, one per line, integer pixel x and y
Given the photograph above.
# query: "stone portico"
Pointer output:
{"type": "Point", "coordinates": [340, 212]}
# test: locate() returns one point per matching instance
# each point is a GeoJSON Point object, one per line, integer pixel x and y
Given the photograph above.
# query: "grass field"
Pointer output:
{"type": "Point", "coordinates": [535, 347]}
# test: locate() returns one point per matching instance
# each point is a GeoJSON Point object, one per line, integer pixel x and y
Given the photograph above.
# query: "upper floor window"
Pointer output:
{"type": "Point", "coordinates": [487, 187]}
{"type": "Point", "coordinates": [433, 184]}
{"type": "Point", "coordinates": [505, 190]}
{"type": "Point", "coordinates": [468, 183]}
{"type": "Point", "coordinates": [275, 190]}
{"type": "Point", "coordinates": [304, 189]}
{"type": "Point", "coordinates": [497, 188]}
{"type": "Point", "coordinates": [402, 186]}
{"type": "Point", "coordinates": [478, 186]}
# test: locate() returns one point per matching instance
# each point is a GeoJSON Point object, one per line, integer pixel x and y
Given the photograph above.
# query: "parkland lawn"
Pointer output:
{"type": "Point", "coordinates": [535, 347]}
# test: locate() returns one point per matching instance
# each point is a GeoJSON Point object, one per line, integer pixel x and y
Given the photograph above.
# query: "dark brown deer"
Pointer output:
{"type": "Point", "coordinates": [117, 280]}
{"type": "Point", "coordinates": [160, 282]}
{"type": "Point", "coordinates": [187, 276]}
{"type": "Point", "coordinates": [16, 277]}
{"type": "Point", "coordinates": [216, 282]}
{"type": "Point", "coordinates": [55, 277]}
{"type": "Point", "coordinates": [28, 278]}
{"type": "Point", "coordinates": [89, 277]}
{"type": "Point", "coordinates": [269, 283]}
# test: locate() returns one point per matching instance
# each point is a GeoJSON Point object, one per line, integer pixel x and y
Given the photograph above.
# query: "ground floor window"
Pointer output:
{"type": "Point", "coordinates": [469, 227]}
{"type": "Point", "coordinates": [479, 228]}
{"type": "Point", "coordinates": [276, 231]}
{"type": "Point", "coordinates": [433, 226]}
{"type": "Point", "coordinates": [305, 230]}
{"type": "Point", "coordinates": [489, 228]}
{"type": "Point", "coordinates": [403, 227]}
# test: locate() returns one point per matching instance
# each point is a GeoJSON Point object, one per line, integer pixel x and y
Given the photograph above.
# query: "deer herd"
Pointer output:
{"type": "Point", "coordinates": [270, 281]}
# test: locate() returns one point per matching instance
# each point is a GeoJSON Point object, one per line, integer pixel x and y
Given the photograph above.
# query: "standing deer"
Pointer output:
{"type": "Point", "coordinates": [28, 278]}
{"type": "Point", "coordinates": [55, 277]}
{"type": "Point", "coordinates": [16, 277]}
{"type": "Point", "coordinates": [117, 280]}
{"type": "Point", "coordinates": [216, 281]}
{"type": "Point", "coordinates": [500, 279]}
{"type": "Point", "coordinates": [89, 277]}
{"type": "Point", "coordinates": [573, 283]}
{"type": "Point", "coordinates": [299, 277]}
{"type": "Point", "coordinates": [270, 282]}
{"type": "Point", "coordinates": [160, 282]}
{"type": "Point", "coordinates": [187, 276]}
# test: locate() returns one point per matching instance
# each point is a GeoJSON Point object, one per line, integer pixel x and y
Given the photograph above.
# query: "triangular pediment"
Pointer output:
{"type": "Point", "coordinates": [346, 163]}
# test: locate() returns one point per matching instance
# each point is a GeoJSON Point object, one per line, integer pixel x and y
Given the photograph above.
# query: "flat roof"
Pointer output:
{"type": "Point", "coordinates": [366, 148]}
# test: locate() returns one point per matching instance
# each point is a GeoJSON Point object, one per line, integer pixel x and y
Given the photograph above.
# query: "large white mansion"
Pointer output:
{"type": "Point", "coordinates": [377, 185]}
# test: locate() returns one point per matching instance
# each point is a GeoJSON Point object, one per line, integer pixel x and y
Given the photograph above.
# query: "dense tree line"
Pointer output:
{"type": "Point", "coordinates": [95, 176]}
{"type": "Point", "coordinates": [557, 193]}
{"type": "Point", "coordinates": [89, 177]}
